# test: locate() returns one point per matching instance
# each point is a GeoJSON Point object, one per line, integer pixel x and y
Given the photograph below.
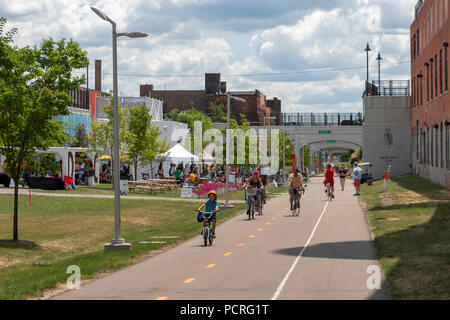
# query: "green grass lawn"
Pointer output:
{"type": "Point", "coordinates": [58, 232]}
{"type": "Point", "coordinates": [411, 227]}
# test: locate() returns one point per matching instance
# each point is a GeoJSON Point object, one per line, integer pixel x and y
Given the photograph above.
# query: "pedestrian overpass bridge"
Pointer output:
{"type": "Point", "coordinates": [325, 134]}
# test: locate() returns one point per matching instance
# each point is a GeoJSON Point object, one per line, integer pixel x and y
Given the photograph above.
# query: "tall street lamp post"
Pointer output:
{"type": "Point", "coordinates": [118, 243]}
{"type": "Point", "coordinates": [379, 73]}
{"type": "Point", "coordinates": [367, 49]}
{"type": "Point", "coordinates": [227, 167]}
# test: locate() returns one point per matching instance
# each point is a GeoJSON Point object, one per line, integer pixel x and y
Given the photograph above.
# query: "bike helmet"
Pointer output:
{"type": "Point", "coordinates": [256, 172]}
{"type": "Point", "coordinates": [213, 192]}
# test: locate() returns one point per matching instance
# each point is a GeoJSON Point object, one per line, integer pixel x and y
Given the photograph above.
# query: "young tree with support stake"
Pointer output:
{"type": "Point", "coordinates": [33, 93]}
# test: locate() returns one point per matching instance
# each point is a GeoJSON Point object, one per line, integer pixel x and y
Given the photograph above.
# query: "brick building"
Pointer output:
{"type": "Point", "coordinates": [255, 107]}
{"type": "Point", "coordinates": [430, 34]}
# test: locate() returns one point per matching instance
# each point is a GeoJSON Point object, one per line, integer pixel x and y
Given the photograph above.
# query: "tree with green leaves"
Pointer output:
{"type": "Point", "coordinates": [81, 139]}
{"type": "Point", "coordinates": [143, 143]}
{"type": "Point", "coordinates": [217, 111]}
{"type": "Point", "coordinates": [189, 117]}
{"type": "Point", "coordinates": [34, 82]}
{"type": "Point", "coordinates": [101, 139]}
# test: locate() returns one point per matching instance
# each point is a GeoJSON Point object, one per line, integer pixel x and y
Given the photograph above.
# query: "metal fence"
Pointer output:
{"type": "Point", "coordinates": [322, 119]}
{"type": "Point", "coordinates": [388, 88]}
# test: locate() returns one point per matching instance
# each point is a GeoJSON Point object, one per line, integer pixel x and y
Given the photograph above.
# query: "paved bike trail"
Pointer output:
{"type": "Point", "coordinates": [324, 253]}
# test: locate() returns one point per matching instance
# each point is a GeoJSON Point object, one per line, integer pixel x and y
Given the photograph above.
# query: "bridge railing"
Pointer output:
{"type": "Point", "coordinates": [322, 119]}
{"type": "Point", "coordinates": [388, 88]}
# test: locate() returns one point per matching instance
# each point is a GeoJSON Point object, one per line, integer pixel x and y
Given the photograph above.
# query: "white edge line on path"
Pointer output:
{"type": "Point", "coordinates": [286, 277]}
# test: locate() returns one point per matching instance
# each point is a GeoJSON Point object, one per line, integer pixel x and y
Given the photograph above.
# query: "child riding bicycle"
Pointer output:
{"type": "Point", "coordinates": [211, 206]}
{"type": "Point", "coordinates": [255, 182]}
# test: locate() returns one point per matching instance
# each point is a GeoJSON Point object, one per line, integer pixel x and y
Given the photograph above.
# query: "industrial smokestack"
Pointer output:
{"type": "Point", "coordinates": [98, 75]}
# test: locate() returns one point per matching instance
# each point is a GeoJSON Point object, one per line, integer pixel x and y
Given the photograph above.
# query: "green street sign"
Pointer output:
{"type": "Point", "coordinates": [331, 141]}
{"type": "Point", "coordinates": [324, 131]}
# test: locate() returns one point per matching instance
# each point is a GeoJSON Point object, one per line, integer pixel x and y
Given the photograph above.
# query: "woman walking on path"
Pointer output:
{"type": "Point", "coordinates": [342, 175]}
{"type": "Point", "coordinates": [356, 178]}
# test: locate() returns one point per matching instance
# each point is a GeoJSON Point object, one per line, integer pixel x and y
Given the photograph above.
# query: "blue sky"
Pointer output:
{"type": "Point", "coordinates": [191, 37]}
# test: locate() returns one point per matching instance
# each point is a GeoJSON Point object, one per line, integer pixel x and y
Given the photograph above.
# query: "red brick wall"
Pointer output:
{"type": "Point", "coordinates": [275, 109]}
{"type": "Point", "coordinates": [254, 108]}
{"type": "Point", "coordinates": [433, 24]}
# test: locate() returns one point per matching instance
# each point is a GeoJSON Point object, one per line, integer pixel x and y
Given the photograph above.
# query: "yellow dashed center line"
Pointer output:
{"type": "Point", "coordinates": [189, 280]}
{"type": "Point", "coordinates": [210, 266]}
{"type": "Point", "coordinates": [267, 223]}
{"type": "Point", "coordinates": [279, 214]}
{"type": "Point", "coordinates": [228, 254]}
{"type": "Point", "coordinates": [260, 229]}
{"type": "Point", "coordinates": [274, 219]}
{"type": "Point", "coordinates": [252, 236]}
{"type": "Point", "coordinates": [162, 298]}
{"type": "Point", "coordinates": [241, 244]}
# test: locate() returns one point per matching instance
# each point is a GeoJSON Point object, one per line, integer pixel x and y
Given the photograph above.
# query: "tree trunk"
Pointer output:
{"type": "Point", "coordinates": [135, 170]}
{"type": "Point", "coordinates": [16, 209]}
{"type": "Point", "coordinates": [151, 169]}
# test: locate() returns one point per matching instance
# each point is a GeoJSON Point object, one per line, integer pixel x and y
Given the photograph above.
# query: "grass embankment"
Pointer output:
{"type": "Point", "coordinates": [411, 227]}
{"type": "Point", "coordinates": [60, 232]}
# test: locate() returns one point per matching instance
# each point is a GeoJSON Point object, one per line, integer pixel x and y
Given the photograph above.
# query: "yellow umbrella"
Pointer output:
{"type": "Point", "coordinates": [122, 158]}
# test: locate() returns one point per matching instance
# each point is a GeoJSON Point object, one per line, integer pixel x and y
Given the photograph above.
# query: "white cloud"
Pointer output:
{"type": "Point", "coordinates": [186, 37]}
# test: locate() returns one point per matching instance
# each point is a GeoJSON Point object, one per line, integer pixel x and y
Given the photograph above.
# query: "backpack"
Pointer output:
{"type": "Point", "coordinates": [200, 217]}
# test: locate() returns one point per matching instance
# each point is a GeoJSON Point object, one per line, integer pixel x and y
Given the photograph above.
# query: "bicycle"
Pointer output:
{"type": "Point", "coordinates": [259, 203]}
{"type": "Point", "coordinates": [330, 195]}
{"type": "Point", "coordinates": [207, 231]}
{"type": "Point", "coordinates": [251, 193]}
{"type": "Point", "coordinates": [296, 208]}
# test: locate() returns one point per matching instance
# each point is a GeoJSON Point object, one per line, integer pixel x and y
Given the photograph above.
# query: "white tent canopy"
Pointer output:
{"type": "Point", "coordinates": [179, 154]}
{"type": "Point", "coordinates": [207, 157]}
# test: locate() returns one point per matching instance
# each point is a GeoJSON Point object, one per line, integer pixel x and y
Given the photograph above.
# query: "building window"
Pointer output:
{"type": "Point", "coordinates": [447, 145]}
{"type": "Point", "coordinates": [421, 89]}
{"type": "Point", "coordinates": [431, 78]}
{"type": "Point", "coordinates": [417, 141]}
{"type": "Point", "coordinates": [414, 47]}
{"type": "Point", "coordinates": [446, 67]}
{"type": "Point", "coordinates": [428, 82]}
{"type": "Point", "coordinates": [424, 147]}
{"type": "Point", "coordinates": [431, 146]}
{"type": "Point", "coordinates": [435, 76]}
{"type": "Point", "coordinates": [418, 43]}
{"type": "Point", "coordinates": [436, 134]}
{"type": "Point", "coordinates": [440, 71]}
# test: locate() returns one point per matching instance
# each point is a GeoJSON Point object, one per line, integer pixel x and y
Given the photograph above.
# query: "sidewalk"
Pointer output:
{"type": "Point", "coordinates": [98, 196]}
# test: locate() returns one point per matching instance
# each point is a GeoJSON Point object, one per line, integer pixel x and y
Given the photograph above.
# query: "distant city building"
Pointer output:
{"type": "Point", "coordinates": [255, 107]}
{"type": "Point", "coordinates": [83, 106]}
{"type": "Point", "coordinates": [430, 34]}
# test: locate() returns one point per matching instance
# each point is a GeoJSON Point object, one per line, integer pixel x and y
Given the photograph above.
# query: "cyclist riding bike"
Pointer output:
{"type": "Point", "coordinates": [329, 180]}
{"type": "Point", "coordinates": [211, 206]}
{"type": "Point", "coordinates": [265, 181]}
{"type": "Point", "coordinates": [295, 186]}
{"type": "Point", "coordinates": [255, 182]}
